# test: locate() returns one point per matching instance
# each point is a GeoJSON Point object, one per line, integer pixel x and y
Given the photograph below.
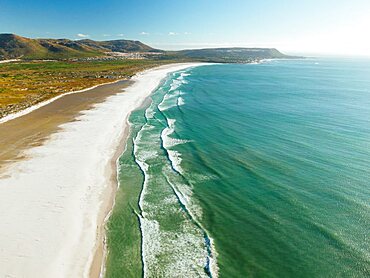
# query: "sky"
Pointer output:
{"type": "Point", "coordinates": [340, 27]}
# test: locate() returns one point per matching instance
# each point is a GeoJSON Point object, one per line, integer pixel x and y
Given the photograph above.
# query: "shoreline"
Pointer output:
{"type": "Point", "coordinates": [100, 253]}
{"type": "Point", "coordinates": [97, 266]}
{"type": "Point", "coordinates": [55, 221]}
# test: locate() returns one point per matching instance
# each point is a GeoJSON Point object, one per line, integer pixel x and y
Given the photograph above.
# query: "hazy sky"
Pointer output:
{"type": "Point", "coordinates": [293, 26]}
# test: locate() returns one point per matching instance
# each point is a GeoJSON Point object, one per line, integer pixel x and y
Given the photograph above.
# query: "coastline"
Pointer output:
{"type": "Point", "coordinates": [173, 241]}
{"type": "Point", "coordinates": [100, 253]}
{"type": "Point", "coordinates": [58, 216]}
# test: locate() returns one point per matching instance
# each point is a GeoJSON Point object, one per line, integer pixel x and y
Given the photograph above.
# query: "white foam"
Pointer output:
{"type": "Point", "coordinates": [184, 192]}
{"type": "Point", "coordinates": [175, 253]}
{"type": "Point", "coordinates": [180, 101]}
{"type": "Point", "coordinates": [50, 203]}
{"type": "Point", "coordinates": [149, 113]}
{"type": "Point", "coordinates": [169, 101]}
{"type": "Point", "coordinates": [176, 83]}
{"type": "Point", "coordinates": [172, 97]}
{"type": "Point", "coordinates": [168, 142]}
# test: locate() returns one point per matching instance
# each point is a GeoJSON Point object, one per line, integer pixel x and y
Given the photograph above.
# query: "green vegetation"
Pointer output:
{"type": "Point", "coordinates": [13, 46]}
{"type": "Point", "coordinates": [229, 55]}
{"type": "Point", "coordinates": [24, 84]}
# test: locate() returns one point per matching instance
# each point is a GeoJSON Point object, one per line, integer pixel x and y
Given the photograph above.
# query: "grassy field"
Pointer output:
{"type": "Point", "coordinates": [24, 84]}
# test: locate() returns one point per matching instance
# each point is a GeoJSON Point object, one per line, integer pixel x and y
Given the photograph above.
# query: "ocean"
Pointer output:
{"type": "Point", "coordinates": [255, 170]}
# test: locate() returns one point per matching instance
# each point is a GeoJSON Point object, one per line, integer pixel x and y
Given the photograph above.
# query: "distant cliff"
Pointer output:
{"type": "Point", "coordinates": [233, 54]}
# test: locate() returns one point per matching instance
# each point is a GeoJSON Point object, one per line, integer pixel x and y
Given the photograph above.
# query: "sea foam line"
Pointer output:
{"type": "Point", "coordinates": [150, 230]}
{"type": "Point", "coordinates": [143, 167]}
{"type": "Point", "coordinates": [211, 265]}
{"type": "Point", "coordinates": [152, 226]}
{"type": "Point", "coordinates": [174, 158]}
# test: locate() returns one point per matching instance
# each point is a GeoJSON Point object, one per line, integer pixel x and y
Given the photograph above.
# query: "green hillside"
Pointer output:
{"type": "Point", "coordinates": [231, 55]}
{"type": "Point", "coordinates": [13, 46]}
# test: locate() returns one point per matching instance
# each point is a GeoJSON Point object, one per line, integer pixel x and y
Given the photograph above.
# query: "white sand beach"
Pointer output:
{"type": "Point", "coordinates": [8, 61]}
{"type": "Point", "coordinates": [51, 203]}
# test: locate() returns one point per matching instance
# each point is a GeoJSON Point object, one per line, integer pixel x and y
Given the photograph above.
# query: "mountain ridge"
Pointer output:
{"type": "Point", "coordinates": [14, 47]}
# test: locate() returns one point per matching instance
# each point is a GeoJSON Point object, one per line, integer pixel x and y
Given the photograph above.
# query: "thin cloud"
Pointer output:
{"type": "Point", "coordinates": [172, 34]}
{"type": "Point", "coordinates": [120, 35]}
{"type": "Point", "coordinates": [106, 35]}
{"type": "Point", "coordinates": [187, 33]}
{"type": "Point", "coordinates": [144, 33]}
{"type": "Point", "coordinates": [82, 35]}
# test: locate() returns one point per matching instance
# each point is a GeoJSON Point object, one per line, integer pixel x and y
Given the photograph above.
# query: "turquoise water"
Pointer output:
{"type": "Point", "coordinates": [257, 171]}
